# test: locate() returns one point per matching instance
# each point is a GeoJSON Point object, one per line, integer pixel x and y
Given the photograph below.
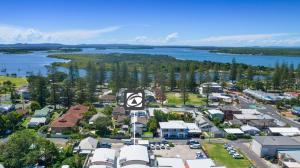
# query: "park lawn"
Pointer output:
{"type": "Point", "coordinates": [18, 81]}
{"type": "Point", "coordinates": [217, 153]}
{"type": "Point", "coordinates": [193, 99]}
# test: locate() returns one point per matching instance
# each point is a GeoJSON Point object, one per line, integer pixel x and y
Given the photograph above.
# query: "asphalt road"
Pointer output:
{"type": "Point", "coordinates": [268, 109]}
{"type": "Point", "coordinates": [256, 160]}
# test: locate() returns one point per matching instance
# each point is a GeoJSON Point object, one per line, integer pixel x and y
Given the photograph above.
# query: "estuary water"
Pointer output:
{"type": "Point", "coordinates": [35, 62]}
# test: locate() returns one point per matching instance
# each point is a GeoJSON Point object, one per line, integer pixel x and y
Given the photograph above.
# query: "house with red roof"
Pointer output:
{"type": "Point", "coordinates": [69, 120]}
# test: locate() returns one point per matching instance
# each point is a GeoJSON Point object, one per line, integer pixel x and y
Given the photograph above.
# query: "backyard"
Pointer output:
{"type": "Point", "coordinates": [221, 156]}
{"type": "Point", "coordinates": [16, 80]}
{"type": "Point", "coordinates": [193, 99]}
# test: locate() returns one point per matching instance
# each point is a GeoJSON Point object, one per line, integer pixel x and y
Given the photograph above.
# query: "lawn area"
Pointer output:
{"type": "Point", "coordinates": [175, 98]}
{"type": "Point", "coordinates": [221, 156]}
{"type": "Point", "coordinates": [16, 80]}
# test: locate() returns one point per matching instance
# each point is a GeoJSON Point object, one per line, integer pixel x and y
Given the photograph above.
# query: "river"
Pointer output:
{"type": "Point", "coordinates": [22, 64]}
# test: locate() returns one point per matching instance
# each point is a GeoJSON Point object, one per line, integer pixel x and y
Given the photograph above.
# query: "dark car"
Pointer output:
{"type": "Point", "coordinates": [105, 145]}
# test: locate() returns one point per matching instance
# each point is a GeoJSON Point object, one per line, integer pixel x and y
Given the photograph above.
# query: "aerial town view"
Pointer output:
{"type": "Point", "coordinates": [150, 84]}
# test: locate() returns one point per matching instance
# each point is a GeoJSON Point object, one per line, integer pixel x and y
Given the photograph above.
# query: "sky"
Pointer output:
{"type": "Point", "coordinates": [152, 22]}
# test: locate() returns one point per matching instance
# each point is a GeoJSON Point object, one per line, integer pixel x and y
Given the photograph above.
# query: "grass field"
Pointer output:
{"type": "Point", "coordinates": [175, 98]}
{"type": "Point", "coordinates": [221, 156]}
{"type": "Point", "coordinates": [16, 80]}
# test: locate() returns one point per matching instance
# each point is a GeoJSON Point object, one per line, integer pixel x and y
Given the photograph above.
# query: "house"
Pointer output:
{"type": "Point", "coordinates": [289, 159]}
{"type": "Point", "coordinates": [215, 114]}
{"type": "Point", "coordinates": [178, 129]}
{"type": "Point", "coordinates": [5, 108]}
{"type": "Point", "coordinates": [217, 97]}
{"type": "Point", "coordinates": [36, 122]}
{"type": "Point", "coordinates": [107, 98]}
{"type": "Point", "coordinates": [210, 87]}
{"type": "Point", "coordinates": [170, 162]}
{"type": "Point", "coordinates": [87, 145]}
{"type": "Point", "coordinates": [249, 115]}
{"type": "Point", "coordinates": [229, 110]}
{"type": "Point", "coordinates": [139, 113]}
{"type": "Point", "coordinates": [119, 115]}
{"type": "Point", "coordinates": [95, 117]}
{"type": "Point", "coordinates": [283, 131]}
{"type": "Point", "coordinates": [69, 120]}
{"type": "Point", "coordinates": [270, 145]}
{"type": "Point", "coordinates": [250, 130]}
{"type": "Point", "coordinates": [203, 124]}
{"type": "Point", "coordinates": [103, 157]}
{"type": "Point", "coordinates": [235, 131]}
{"type": "Point", "coordinates": [235, 122]}
{"type": "Point", "coordinates": [140, 124]}
{"type": "Point", "coordinates": [262, 124]}
{"type": "Point", "coordinates": [134, 155]}
{"type": "Point", "coordinates": [44, 112]}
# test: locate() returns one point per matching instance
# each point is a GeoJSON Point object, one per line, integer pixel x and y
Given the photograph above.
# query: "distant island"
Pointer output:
{"type": "Point", "coordinates": [253, 50]}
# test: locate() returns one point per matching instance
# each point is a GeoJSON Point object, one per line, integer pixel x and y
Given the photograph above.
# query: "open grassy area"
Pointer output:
{"type": "Point", "coordinates": [175, 98]}
{"type": "Point", "coordinates": [221, 156]}
{"type": "Point", "coordinates": [16, 80]}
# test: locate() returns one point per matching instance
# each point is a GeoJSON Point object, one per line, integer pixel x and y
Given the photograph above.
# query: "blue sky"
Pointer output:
{"type": "Point", "coordinates": [155, 22]}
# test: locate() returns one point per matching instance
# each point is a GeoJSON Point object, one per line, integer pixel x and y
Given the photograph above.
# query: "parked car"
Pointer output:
{"type": "Point", "coordinates": [167, 146]}
{"type": "Point", "coordinates": [237, 156]}
{"type": "Point", "coordinates": [105, 145]}
{"type": "Point", "coordinates": [162, 146]}
{"type": "Point", "coordinates": [195, 146]}
{"type": "Point", "coordinates": [152, 146]}
{"type": "Point", "coordinates": [157, 147]}
{"type": "Point", "coordinates": [127, 142]}
{"type": "Point", "coordinates": [191, 142]}
{"type": "Point", "coordinates": [232, 152]}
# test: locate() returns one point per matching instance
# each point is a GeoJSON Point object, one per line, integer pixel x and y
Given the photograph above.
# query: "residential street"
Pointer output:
{"type": "Point", "coordinates": [268, 109]}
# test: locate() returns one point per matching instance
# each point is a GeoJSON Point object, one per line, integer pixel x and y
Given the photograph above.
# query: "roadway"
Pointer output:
{"type": "Point", "coordinates": [267, 109]}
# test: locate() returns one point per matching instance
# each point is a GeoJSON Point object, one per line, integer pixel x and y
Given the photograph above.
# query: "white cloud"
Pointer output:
{"type": "Point", "coordinates": [274, 39]}
{"type": "Point", "coordinates": [13, 34]}
{"type": "Point", "coordinates": [170, 38]}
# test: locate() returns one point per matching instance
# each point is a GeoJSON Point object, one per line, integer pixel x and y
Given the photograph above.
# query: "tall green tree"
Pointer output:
{"type": "Point", "coordinates": [191, 78]}
{"type": "Point", "coordinates": [145, 76]}
{"type": "Point", "coordinates": [233, 70]}
{"type": "Point", "coordinates": [172, 78]}
{"type": "Point", "coordinates": [183, 84]}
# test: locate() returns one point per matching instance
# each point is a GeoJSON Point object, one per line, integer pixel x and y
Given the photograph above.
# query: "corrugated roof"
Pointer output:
{"type": "Point", "coordinates": [276, 140]}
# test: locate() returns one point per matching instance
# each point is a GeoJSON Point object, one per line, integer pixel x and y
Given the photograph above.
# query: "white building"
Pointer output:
{"type": "Point", "coordinates": [270, 145]}
{"type": "Point", "coordinates": [215, 113]}
{"type": "Point", "coordinates": [133, 155]}
{"type": "Point", "coordinates": [37, 121]}
{"type": "Point", "coordinates": [284, 131]}
{"type": "Point", "coordinates": [210, 87]}
{"type": "Point", "coordinates": [87, 145]}
{"type": "Point", "coordinates": [203, 163]}
{"type": "Point", "coordinates": [170, 162]}
{"type": "Point", "coordinates": [178, 129]}
{"type": "Point", "coordinates": [250, 130]}
{"type": "Point", "coordinates": [234, 131]}
{"type": "Point", "coordinates": [103, 157]}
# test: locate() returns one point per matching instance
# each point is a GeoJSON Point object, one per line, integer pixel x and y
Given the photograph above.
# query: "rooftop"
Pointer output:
{"type": "Point", "coordinates": [103, 155]}
{"type": "Point", "coordinates": [276, 140]}
{"type": "Point", "coordinates": [215, 111]}
{"type": "Point", "coordinates": [205, 163]}
{"type": "Point", "coordinates": [285, 130]}
{"type": "Point", "coordinates": [170, 162]}
{"type": "Point", "coordinates": [233, 131]}
{"type": "Point", "coordinates": [71, 117]}
{"type": "Point", "coordinates": [134, 153]}
{"type": "Point", "coordinates": [173, 124]}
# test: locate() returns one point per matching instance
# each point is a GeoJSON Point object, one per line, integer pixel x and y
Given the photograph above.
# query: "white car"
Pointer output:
{"type": "Point", "coordinates": [195, 146]}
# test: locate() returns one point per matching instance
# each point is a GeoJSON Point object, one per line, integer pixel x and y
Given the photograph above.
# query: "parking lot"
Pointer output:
{"type": "Point", "coordinates": [182, 151]}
